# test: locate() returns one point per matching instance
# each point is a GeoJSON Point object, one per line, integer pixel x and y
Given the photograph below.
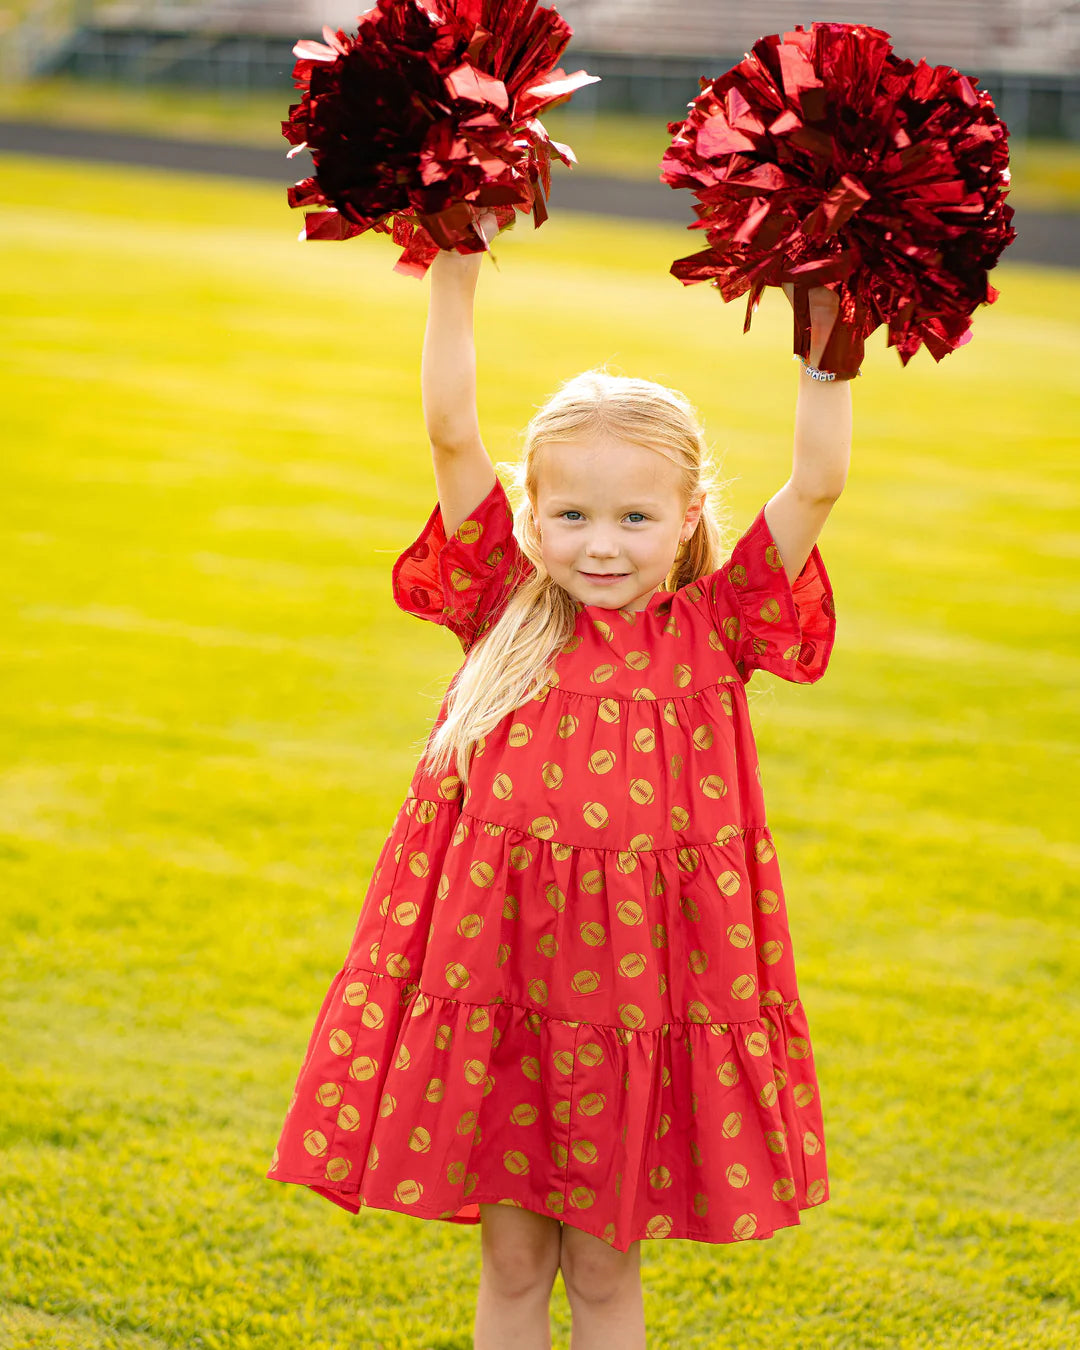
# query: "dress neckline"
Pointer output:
{"type": "Point", "coordinates": [654, 601]}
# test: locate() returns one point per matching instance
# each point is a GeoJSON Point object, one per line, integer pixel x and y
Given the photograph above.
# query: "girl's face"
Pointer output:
{"type": "Point", "coordinates": [610, 520]}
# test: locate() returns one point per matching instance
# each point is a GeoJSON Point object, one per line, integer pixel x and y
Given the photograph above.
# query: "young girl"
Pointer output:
{"type": "Point", "coordinates": [569, 1011]}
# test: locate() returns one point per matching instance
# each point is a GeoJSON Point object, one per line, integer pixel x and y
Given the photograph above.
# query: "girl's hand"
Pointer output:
{"type": "Point", "coordinates": [488, 225]}
{"type": "Point", "coordinates": [824, 307]}
{"type": "Point", "coordinates": [448, 261]}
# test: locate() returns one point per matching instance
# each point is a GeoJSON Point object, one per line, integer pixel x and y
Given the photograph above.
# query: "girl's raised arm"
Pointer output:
{"type": "Point", "coordinates": [822, 449]}
{"type": "Point", "coordinates": [463, 471]}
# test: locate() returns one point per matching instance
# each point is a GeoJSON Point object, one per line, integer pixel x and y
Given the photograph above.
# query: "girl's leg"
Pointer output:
{"type": "Point", "coordinates": [520, 1252]}
{"type": "Point", "coordinates": [604, 1289]}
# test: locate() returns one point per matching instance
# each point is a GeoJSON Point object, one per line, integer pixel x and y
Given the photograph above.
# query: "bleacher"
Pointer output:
{"type": "Point", "coordinates": [649, 53]}
{"type": "Point", "coordinates": [998, 35]}
{"type": "Point", "coordinates": [271, 17]}
{"type": "Point", "coordinates": [1036, 36]}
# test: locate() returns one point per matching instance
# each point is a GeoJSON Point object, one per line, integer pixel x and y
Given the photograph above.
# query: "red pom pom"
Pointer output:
{"type": "Point", "coordinates": [426, 118]}
{"type": "Point", "coordinates": [825, 159]}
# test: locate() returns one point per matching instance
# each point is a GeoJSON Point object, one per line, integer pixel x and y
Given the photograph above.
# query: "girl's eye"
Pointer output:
{"type": "Point", "coordinates": [629, 513]}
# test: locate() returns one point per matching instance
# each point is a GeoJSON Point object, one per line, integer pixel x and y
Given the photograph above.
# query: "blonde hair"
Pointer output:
{"type": "Point", "coordinates": [509, 662]}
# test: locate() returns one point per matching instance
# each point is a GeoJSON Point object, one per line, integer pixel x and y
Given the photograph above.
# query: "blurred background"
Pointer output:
{"type": "Point", "coordinates": [650, 52]}
{"type": "Point", "coordinates": [210, 708]}
{"type": "Point", "coordinates": [210, 72]}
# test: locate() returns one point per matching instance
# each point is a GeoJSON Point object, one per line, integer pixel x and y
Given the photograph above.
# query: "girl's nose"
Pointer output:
{"type": "Point", "coordinates": [600, 548]}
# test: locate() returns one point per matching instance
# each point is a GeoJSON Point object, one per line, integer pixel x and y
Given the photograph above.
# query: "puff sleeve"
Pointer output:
{"type": "Point", "coordinates": [465, 581]}
{"type": "Point", "coordinates": [765, 623]}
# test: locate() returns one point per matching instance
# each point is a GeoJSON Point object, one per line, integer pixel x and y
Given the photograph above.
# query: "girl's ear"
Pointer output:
{"type": "Point", "coordinates": [693, 513]}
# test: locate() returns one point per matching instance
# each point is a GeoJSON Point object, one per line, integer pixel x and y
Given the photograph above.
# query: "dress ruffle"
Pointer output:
{"type": "Point", "coordinates": [627, 1115]}
{"type": "Point", "coordinates": [464, 582]}
{"type": "Point", "coordinates": [785, 629]}
{"type": "Point", "coordinates": [497, 915]}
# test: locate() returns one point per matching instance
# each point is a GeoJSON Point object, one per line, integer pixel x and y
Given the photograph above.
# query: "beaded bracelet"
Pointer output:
{"type": "Point", "coordinates": [816, 374]}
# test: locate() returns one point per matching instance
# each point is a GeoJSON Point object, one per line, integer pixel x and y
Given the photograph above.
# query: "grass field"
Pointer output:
{"type": "Point", "coordinates": [213, 451]}
{"type": "Point", "coordinates": [1045, 174]}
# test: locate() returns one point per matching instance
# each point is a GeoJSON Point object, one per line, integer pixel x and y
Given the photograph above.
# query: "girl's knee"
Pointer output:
{"type": "Point", "coordinates": [592, 1270]}
{"type": "Point", "coordinates": [520, 1249]}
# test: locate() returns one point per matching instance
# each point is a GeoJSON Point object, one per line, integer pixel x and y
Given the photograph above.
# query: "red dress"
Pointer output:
{"type": "Point", "coordinates": [572, 987]}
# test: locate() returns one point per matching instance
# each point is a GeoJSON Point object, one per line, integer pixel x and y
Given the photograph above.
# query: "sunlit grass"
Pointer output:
{"type": "Point", "coordinates": [211, 708]}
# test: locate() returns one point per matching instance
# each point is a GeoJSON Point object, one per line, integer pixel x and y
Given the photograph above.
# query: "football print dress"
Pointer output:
{"type": "Point", "coordinates": [571, 987]}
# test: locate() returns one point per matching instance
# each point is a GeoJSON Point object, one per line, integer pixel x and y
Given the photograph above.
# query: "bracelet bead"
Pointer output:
{"type": "Point", "coordinates": [816, 374]}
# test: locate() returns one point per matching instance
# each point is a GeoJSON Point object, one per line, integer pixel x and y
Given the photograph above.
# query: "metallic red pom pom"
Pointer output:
{"type": "Point", "coordinates": [825, 159]}
{"type": "Point", "coordinates": [426, 118]}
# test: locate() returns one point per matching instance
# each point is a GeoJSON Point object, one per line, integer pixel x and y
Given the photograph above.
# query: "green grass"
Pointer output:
{"type": "Point", "coordinates": [1045, 174]}
{"type": "Point", "coordinates": [211, 708]}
